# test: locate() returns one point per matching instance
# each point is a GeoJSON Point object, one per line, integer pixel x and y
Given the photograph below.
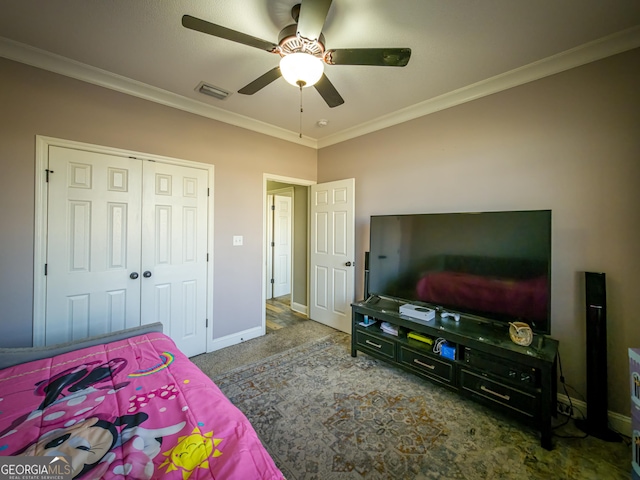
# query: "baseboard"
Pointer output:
{"type": "Point", "coordinates": [298, 307]}
{"type": "Point", "coordinates": [617, 421]}
{"type": "Point", "coordinates": [236, 338]}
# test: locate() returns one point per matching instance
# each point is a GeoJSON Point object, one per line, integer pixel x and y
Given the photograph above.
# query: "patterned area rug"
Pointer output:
{"type": "Point", "coordinates": [324, 415]}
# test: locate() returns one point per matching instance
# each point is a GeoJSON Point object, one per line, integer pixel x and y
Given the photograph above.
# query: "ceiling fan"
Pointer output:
{"type": "Point", "coordinates": [301, 47]}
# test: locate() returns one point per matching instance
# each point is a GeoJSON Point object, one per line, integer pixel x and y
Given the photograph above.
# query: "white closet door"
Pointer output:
{"type": "Point", "coordinates": [94, 223]}
{"type": "Point", "coordinates": [174, 250]}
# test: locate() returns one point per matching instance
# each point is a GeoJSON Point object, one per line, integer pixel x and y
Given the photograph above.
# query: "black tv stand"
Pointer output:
{"type": "Point", "coordinates": [485, 365]}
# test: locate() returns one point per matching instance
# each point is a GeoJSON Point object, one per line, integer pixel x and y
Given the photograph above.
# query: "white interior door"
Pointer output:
{"type": "Point", "coordinates": [332, 253]}
{"type": "Point", "coordinates": [174, 253]}
{"type": "Point", "coordinates": [282, 222]}
{"type": "Point", "coordinates": [93, 244]}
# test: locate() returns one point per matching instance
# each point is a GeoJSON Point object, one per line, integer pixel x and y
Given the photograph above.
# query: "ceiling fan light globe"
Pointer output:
{"type": "Point", "coordinates": [301, 68]}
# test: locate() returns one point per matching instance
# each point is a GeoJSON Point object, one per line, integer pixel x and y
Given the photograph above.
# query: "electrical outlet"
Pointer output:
{"type": "Point", "coordinates": [564, 409]}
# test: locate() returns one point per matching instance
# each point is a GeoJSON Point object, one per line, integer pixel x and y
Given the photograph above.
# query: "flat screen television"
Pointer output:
{"type": "Point", "coordinates": [495, 265]}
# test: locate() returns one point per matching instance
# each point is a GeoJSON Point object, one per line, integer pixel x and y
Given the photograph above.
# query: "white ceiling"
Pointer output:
{"type": "Point", "coordinates": [461, 49]}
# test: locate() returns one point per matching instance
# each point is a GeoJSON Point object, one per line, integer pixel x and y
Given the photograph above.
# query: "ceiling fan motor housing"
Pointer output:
{"type": "Point", "coordinates": [289, 42]}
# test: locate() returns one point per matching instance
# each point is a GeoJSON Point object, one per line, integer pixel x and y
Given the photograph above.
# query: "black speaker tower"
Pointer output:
{"type": "Point", "coordinates": [366, 275]}
{"type": "Point", "coordinates": [597, 423]}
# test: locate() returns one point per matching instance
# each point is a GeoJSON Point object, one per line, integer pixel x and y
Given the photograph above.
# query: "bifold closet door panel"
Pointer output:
{"type": "Point", "coordinates": [93, 244]}
{"type": "Point", "coordinates": [174, 250]}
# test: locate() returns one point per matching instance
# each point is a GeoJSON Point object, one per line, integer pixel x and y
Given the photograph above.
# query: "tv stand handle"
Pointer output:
{"type": "Point", "coordinates": [431, 367]}
{"type": "Point", "coordinates": [373, 344]}
{"type": "Point", "coordinates": [504, 397]}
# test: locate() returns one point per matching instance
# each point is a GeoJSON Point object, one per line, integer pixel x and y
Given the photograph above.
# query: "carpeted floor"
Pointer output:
{"type": "Point", "coordinates": [324, 415]}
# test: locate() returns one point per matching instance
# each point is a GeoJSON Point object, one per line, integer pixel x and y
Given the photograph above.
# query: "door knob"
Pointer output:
{"type": "Point", "coordinates": [133, 275]}
{"type": "Point", "coordinates": [146, 274]}
{"type": "Point", "coordinates": [348, 264]}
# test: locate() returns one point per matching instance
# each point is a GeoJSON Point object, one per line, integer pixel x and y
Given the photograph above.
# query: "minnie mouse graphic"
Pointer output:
{"type": "Point", "coordinates": [74, 428]}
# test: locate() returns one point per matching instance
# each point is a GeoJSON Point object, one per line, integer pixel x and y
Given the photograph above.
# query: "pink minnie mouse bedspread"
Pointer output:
{"type": "Point", "coordinates": [135, 409]}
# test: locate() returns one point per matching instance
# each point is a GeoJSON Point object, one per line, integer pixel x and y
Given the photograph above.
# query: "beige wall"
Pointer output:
{"type": "Point", "coordinates": [570, 143]}
{"type": "Point", "coordinates": [35, 102]}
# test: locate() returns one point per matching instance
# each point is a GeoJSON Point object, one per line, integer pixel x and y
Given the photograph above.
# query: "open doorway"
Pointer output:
{"type": "Point", "coordinates": [280, 238]}
{"type": "Point", "coordinates": [285, 251]}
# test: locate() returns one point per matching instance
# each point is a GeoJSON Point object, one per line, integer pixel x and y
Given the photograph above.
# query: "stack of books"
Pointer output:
{"type": "Point", "coordinates": [386, 327]}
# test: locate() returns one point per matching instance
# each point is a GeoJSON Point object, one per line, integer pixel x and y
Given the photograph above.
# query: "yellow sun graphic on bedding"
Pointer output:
{"type": "Point", "coordinates": [191, 452]}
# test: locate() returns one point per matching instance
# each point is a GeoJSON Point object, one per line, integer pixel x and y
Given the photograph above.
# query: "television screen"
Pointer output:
{"type": "Point", "coordinates": [492, 264]}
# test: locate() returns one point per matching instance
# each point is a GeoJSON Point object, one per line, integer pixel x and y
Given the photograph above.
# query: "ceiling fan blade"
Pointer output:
{"type": "Point", "coordinates": [313, 14]}
{"type": "Point", "coordinates": [222, 32]}
{"type": "Point", "coordinates": [328, 92]}
{"type": "Point", "coordinates": [261, 82]}
{"type": "Point", "coordinates": [380, 57]}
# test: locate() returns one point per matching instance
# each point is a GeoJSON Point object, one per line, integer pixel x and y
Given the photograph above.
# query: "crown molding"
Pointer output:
{"type": "Point", "coordinates": [64, 66]}
{"type": "Point", "coordinates": [575, 57]}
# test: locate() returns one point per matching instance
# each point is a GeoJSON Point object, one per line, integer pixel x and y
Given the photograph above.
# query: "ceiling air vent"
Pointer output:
{"type": "Point", "coordinates": [212, 91]}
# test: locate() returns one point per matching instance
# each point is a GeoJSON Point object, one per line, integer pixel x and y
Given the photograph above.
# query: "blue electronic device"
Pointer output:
{"type": "Point", "coordinates": [448, 350]}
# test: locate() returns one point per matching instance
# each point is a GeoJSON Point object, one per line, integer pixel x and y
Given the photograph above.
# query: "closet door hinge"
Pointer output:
{"type": "Point", "coordinates": [207, 257]}
{"type": "Point", "coordinates": [273, 244]}
{"type": "Point", "coordinates": [207, 323]}
{"type": "Point", "coordinates": [273, 207]}
{"type": "Point", "coordinates": [46, 269]}
{"type": "Point", "coordinates": [273, 280]}
{"type": "Point", "coordinates": [208, 192]}
{"type": "Point", "coordinates": [47, 172]}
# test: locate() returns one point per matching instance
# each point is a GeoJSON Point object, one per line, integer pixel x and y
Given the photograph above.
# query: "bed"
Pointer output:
{"type": "Point", "coordinates": [128, 405]}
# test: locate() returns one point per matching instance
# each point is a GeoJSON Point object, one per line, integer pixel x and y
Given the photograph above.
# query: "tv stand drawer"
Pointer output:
{"type": "Point", "coordinates": [381, 346]}
{"type": "Point", "coordinates": [494, 392]}
{"type": "Point", "coordinates": [427, 365]}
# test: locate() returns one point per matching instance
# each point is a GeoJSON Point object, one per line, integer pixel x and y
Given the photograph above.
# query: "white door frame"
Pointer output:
{"type": "Point", "coordinates": [266, 177]}
{"type": "Point", "coordinates": [268, 235]}
{"type": "Point", "coordinates": [40, 228]}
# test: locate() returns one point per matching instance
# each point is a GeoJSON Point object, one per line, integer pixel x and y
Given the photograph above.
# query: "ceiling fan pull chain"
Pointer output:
{"type": "Point", "coordinates": [300, 128]}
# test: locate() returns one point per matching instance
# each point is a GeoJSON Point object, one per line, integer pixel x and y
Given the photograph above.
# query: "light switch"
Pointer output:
{"type": "Point", "coordinates": [237, 240]}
